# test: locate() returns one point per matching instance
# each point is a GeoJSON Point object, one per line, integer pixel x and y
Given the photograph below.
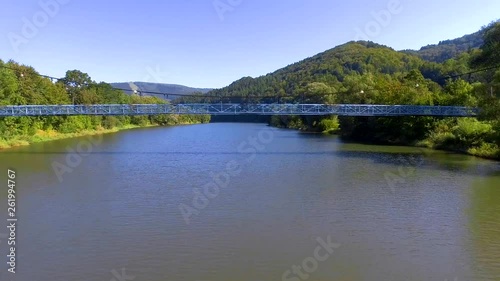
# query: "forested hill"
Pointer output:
{"type": "Point", "coordinates": [332, 67]}
{"type": "Point", "coordinates": [343, 69]}
{"type": "Point", "coordinates": [449, 49]}
{"type": "Point", "coordinates": [368, 73]}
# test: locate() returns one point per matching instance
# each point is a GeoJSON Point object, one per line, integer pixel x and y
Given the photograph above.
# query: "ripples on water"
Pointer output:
{"type": "Point", "coordinates": [399, 213]}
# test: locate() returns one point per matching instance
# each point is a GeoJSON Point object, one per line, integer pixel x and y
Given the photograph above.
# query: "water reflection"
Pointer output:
{"type": "Point", "coordinates": [484, 226]}
{"type": "Point", "coordinates": [120, 208]}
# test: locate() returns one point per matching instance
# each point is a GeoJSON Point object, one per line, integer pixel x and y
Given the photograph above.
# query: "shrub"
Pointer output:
{"type": "Point", "coordinates": [329, 125]}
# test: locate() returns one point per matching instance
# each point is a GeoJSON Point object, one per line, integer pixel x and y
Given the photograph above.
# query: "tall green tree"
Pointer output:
{"type": "Point", "coordinates": [489, 92]}
{"type": "Point", "coordinates": [490, 51]}
{"type": "Point", "coordinates": [76, 82]}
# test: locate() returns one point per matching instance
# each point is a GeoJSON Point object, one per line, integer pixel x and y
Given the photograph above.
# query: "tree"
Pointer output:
{"type": "Point", "coordinates": [9, 86]}
{"type": "Point", "coordinates": [489, 98]}
{"type": "Point", "coordinates": [461, 92]}
{"type": "Point", "coordinates": [490, 55]}
{"type": "Point", "coordinates": [76, 81]}
{"type": "Point", "coordinates": [488, 92]}
{"type": "Point", "coordinates": [319, 93]}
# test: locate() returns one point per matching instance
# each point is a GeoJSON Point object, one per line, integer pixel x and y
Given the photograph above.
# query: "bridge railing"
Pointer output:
{"type": "Point", "coordinates": [238, 109]}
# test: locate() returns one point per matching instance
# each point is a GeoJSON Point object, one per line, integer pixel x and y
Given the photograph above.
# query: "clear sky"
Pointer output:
{"type": "Point", "coordinates": [211, 43]}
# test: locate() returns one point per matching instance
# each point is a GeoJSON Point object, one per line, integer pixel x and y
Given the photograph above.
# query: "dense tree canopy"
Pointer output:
{"type": "Point", "coordinates": [22, 85]}
{"type": "Point", "coordinates": [489, 55]}
{"type": "Point", "coordinates": [368, 73]}
{"type": "Point", "coordinates": [449, 49]}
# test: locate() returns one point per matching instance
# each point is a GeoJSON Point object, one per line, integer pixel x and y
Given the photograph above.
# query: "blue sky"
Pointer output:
{"type": "Point", "coordinates": [211, 43]}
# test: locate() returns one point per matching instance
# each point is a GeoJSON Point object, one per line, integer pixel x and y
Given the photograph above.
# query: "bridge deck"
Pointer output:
{"type": "Point", "coordinates": [238, 109]}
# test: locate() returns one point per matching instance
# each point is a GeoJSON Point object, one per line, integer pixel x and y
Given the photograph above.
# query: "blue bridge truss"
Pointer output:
{"type": "Point", "coordinates": [238, 109]}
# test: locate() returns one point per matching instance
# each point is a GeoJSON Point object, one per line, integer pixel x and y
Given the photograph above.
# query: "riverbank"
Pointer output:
{"type": "Point", "coordinates": [485, 151]}
{"type": "Point", "coordinates": [52, 135]}
{"type": "Point", "coordinates": [436, 141]}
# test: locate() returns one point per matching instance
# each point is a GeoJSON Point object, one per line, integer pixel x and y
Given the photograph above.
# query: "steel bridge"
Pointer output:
{"type": "Point", "coordinates": [238, 109]}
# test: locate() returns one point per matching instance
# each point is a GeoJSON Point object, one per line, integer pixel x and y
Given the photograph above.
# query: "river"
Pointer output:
{"type": "Point", "coordinates": [246, 202]}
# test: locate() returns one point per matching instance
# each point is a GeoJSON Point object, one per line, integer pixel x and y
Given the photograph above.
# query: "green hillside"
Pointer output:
{"type": "Point", "coordinates": [368, 73]}
{"type": "Point", "coordinates": [449, 49]}
{"type": "Point", "coordinates": [357, 72]}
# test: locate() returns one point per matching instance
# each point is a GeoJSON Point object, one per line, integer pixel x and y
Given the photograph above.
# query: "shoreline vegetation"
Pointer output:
{"type": "Point", "coordinates": [47, 136]}
{"type": "Point", "coordinates": [22, 85]}
{"type": "Point", "coordinates": [354, 73]}
{"type": "Point", "coordinates": [330, 127]}
{"type": "Point", "coordinates": [51, 135]}
{"type": "Point", "coordinates": [464, 138]}
{"type": "Point", "coordinates": [364, 72]}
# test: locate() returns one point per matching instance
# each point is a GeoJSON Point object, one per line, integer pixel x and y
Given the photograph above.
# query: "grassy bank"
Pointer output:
{"type": "Point", "coordinates": [52, 135]}
{"type": "Point", "coordinates": [465, 135]}
{"type": "Point", "coordinates": [459, 135]}
{"type": "Point", "coordinates": [486, 150]}
{"type": "Point", "coordinates": [312, 124]}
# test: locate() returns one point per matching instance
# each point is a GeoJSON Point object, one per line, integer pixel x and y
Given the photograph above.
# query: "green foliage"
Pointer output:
{"type": "Point", "coordinates": [449, 49]}
{"type": "Point", "coordinates": [292, 122]}
{"type": "Point", "coordinates": [318, 92]}
{"type": "Point", "coordinates": [322, 77]}
{"type": "Point", "coordinates": [296, 122]}
{"type": "Point", "coordinates": [487, 90]}
{"type": "Point", "coordinates": [9, 86]}
{"type": "Point", "coordinates": [490, 51]}
{"type": "Point", "coordinates": [110, 122]}
{"type": "Point", "coordinates": [470, 132]}
{"type": "Point", "coordinates": [486, 150]}
{"type": "Point", "coordinates": [367, 73]}
{"type": "Point", "coordinates": [330, 125]}
{"type": "Point", "coordinates": [460, 93]}
{"type": "Point", "coordinates": [356, 72]}
{"type": "Point", "coordinates": [76, 83]}
{"type": "Point", "coordinates": [21, 85]}
{"type": "Point", "coordinates": [466, 135]}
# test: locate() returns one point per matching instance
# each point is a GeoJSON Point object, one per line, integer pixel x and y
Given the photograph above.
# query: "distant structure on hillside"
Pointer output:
{"type": "Point", "coordinates": [158, 89]}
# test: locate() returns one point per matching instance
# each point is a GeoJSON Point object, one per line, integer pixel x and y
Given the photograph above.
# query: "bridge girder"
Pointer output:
{"type": "Point", "coordinates": [238, 109]}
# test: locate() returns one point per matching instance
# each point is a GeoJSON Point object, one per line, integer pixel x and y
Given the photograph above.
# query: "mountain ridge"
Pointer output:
{"type": "Point", "coordinates": [436, 53]}
{"type": "Point", "coordinates": [448, 49]}
{"type": "Point", "coordinates": [451, 48]}
{"type": "Point", "coordinates": [147, 88]}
